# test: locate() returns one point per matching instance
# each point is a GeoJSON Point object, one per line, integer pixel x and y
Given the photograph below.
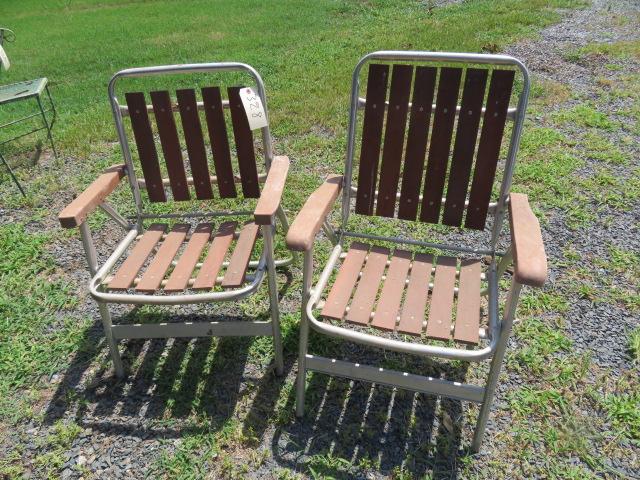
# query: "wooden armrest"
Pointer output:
{"type": "Point", "coordinates": [272, 191]}
{"type": "Point", "coordinates": [529, 256]}
{"type": "Point", "coordinates": [76, 212]}
{"type": "Point", "coordinates": [307, 223]}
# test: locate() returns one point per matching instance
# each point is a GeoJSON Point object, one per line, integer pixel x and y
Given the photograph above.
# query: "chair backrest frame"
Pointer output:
{"type": "Point", "coordinates": [117, 110]}
{"type": "Point", "coordinates": [435, 58]}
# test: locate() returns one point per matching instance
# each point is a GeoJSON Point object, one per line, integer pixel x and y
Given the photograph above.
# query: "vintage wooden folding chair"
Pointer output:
{"type": "Point", "coordinates": [444, 305]}
{"type": "Point", "coordinates": [158, 264]}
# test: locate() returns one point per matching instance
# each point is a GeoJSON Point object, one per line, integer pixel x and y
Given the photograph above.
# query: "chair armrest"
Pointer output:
{"type": "Point", "coordinates": [76, 212]}
{"type": "Point", "coordinates": [272, 191]}
{"type": "Point", "coordinates": [308, 222]}
{"type": "Point", "coordinates": [529, 256]}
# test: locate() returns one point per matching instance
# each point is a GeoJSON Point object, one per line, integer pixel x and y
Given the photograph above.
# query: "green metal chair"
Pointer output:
{"type": "Point", "coordinates": [24, 90]}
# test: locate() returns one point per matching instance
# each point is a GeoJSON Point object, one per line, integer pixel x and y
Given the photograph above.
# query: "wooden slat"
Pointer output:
{"type": "Point", "coordinates": [211, 266]}
{"type": "Point", "coordinates": [272, 192]}
{"type": "Point", "coordinates": [155, 272]}
{"type": "Point", "coordinates": [444, 282]}
{"type": "Point", "coordinates": [237, 270]}
{"type": "Point", "coordinates": [244, 145]}
{"type": "Point", "coordinates": [467, 324]}
{"type": "Point", "coordinates": [415, 300]}
{"type": "Point", "coordinates": [127, 272]}
{"type": "Point", "coordinates": [219, 140]}
{"type": "Point", "coordinates": [448, 87]}
{"type": "Point", "coordinates": [146, 146]}
{"type": "Point", "coordinates": [416, 142]}
{"type": "Point", "coordinates": [163, 112]}
{"type": "Point", "coordinates": [394, 139]}
{"type": "Point", "coordinates": [181, 274]}
{"type": "Point", "coordinates": [195, 143]}
{"type": "Point", "coordinates": [391, 295]}
{"type": "Point", "coordinates": [338, 298]}
{"type": "Point", "coordinates": [464, 148]}
{"type": "Point", "coordinates": [489, 148]}
{"type": "Point", "coordinates": [365, 296]}
{"type": "Point", "coordinates": [371, 137]}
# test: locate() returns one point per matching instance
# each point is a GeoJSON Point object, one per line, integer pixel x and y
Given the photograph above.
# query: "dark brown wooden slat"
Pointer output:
{"type": "Point", "coordinates": [219, 140]}
{"type": "Point", "coordinates": [371, 137]}
{"type": "Point", "coordinates": [162, 110]}
{"type": "Point", "coordinates": [179, 278]}
{"type": "Point", "coordinates": [237, 270]}
{"type": "Point", "coordinates": [195, 142]}
{"type": "Point", "coordinates": [127, 272]}
{"type": "Point", "coordinates": [155, 272]}
{"type": "Point", "coordinates": [415, 301]}
{"type": "Point", "coordinates": [464, 148]}
{"type": "Point", "coordinates": [466, 328]}
{"type": "Point", "coordinates": [489, 148]}
{"type": "Point", "coordinates": [244, 145]}
{"type": "Point", "coordinates": [391, 295]}
{"type": "Point", "coordinates": [146, 146]}
{"type": "Point", "coordinates": [448, 87]}
{"type": "Point", "coordinates": [212, 264]}
{"type": "Point", "coordinates": [365, 296]}
{"type": "Point", "coordinates": [444, 282]}
{"type": "Point", "coordinates": [340, 293]}
{"type": "Point", "coordinates": [416, 142]}
{"type": "Point", "coordinates": [394, 139]}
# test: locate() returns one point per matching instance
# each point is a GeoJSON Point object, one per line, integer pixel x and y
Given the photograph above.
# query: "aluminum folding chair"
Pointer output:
{"type": "Point", "coordinates": [24, 91]}
{"type": "Point", "coordinates": [401, 298]}
{"type": "Point", "coordinates": [158, 264]}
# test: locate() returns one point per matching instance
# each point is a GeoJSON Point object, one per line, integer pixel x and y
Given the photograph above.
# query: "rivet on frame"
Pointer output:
{"type": "Point", "coordinates": [445, 110]}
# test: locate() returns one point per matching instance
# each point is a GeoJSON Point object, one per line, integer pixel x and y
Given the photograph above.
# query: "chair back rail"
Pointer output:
{"type": "Point", "coordinates": [436, 130]}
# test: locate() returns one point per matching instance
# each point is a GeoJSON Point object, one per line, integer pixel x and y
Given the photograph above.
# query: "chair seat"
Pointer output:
{"type": "Point", "coordinates": [415, 294]}
{"type": "Point", "coordinates": [183, 259]}
{"type": "Point", "coordinates": [26, 89]}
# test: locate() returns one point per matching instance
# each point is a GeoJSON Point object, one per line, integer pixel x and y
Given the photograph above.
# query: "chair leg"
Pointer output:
{"type": "Point", "coordinates": [267, 232]}
{"type": "Point", "coordinates": [496, 365]}
{"type": "Point", "coordinates": [13, 176]}
{"type": "Point", "coordinates": [47, 126]}
{"type": "Point", "coordinates": [304, 333]}
{"type": "Point", "coordinates": [113, 345]}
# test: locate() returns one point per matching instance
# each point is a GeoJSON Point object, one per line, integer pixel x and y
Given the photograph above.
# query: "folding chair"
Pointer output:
{"type": "Point", "coordinates": [212, 261]}
{"type": "Point", "coordinates": [409, 301]}
{"type": "Point", "coordinates": [21, 91]}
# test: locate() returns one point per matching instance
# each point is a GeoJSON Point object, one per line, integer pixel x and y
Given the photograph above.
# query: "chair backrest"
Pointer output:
{"type": "Point", "coordinates": [6, 35]}
{"type": "Point", "coordinates": [4, 60]}
{"type": "Point", "coordinates": [417, 106]}
{"type": "Point", "coordinates": [161, 124]}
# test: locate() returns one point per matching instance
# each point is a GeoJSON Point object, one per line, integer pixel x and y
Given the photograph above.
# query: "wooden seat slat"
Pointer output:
{"type": "Point", "coordinates": [340, 293]}
{"type": "Point", "coordinates": [154, 274]}
{"type": "Point", "coordinates": [466, 328]}
{"type": "Point", "coordinates": [126, 274]}
{"type": "Point", "coordinates": [181, 274]}
{"type": "Point", "coordinates": [212, 264]}
{"type": "Point", "coordinates": [391, 296]}
{"type": "Point", "coordinates": [440, 309]}
{"type": "Point", "coordinates": [237, 269]}
{"type": "Point", "coordinates": [415, 302]}
{"type": "Point", "coordinates": [365, 295]}
{"type": "Point", "coordinates": [244, 145]}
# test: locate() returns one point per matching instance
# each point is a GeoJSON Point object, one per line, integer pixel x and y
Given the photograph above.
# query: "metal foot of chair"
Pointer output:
{"type": "Point", "coordinates": [267, 231]}
{"type": "Point", "coordinates": [113, 345]}
{"type": "Point", "coordinates": [13, 176]}
{"type": "Point", "coordinates": [46, 124]}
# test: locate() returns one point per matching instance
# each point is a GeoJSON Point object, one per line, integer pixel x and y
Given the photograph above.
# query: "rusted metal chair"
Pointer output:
{"type": "Point", "coordinates": [422, 297]}
{"type": "Point", "coordinates": [158, 264]}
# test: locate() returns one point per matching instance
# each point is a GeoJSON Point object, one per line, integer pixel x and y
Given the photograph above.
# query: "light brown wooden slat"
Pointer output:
{"type": "Point", "coordinates": [244, 145]}
{"type": "Point", "coordinates": [365, 296]}
{"type": "Point", "coordinates": [466, 328]}
{"type": "Point", "coordinates": [179, 278]}
{"type": "Point", "coordinates": [154, 274]}
{"type": "Point", "coordinates": [212, 264]}
{"type": "Point", "coordinates": [146, 145]}
{"type": "Point", "coordinates": [391, 295]}
{"type": "Point", "coordinates": [415, 300]}
{"type": "Point", "coordinates": [394, 139]}
{"type": "Point", "coordinates": [237, 270]}
{"type": "Point", "coordinates": [346, 279]}
{"type": "Point", "coordinates": [371, 137]}
{"type": "Point", "coordinates": [192, 129]}
{"type": "Point", "coordinates": [127, 272]}
{"type": "Point", "coordinates": [444, 282]}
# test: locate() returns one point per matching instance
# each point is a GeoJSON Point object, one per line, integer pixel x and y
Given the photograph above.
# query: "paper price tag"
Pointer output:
{"type": "Point", "coordinates": [253, 108]}
{"type": "Point", "coordinates": [4, 60]}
